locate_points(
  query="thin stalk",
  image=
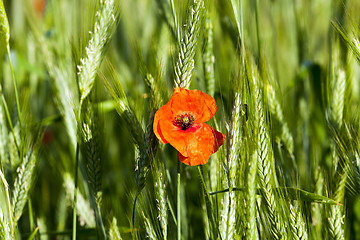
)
(178, 203)
(241, 30)
(258, 35)
(214, 230)
(100, 221)
(15, 87)
(75, 191)
(203, 182)
(31, 217)
(172, 212)
(176, 25)
(9, 120)
(133, 216)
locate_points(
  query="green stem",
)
(203, 182)
(100, 222)
(172, 212)
(213, 229)
(178, 203)
(31, 216)
(75, 191)
(258, 35)
(133, 216)
(9, 121)
(15, 87)
(176, 26)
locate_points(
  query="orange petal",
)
(161, 115)
(202, 157)
(200, 104)
(199, 140)
(179, 139)
(193, 161)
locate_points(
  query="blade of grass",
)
(292, 193)
(75, 192)
(214, 234)
(33, 234)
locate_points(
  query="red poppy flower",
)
(181, 122)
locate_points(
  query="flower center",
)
(185, 121)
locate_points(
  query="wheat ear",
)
(298, 225)
(24, 182)
(208, 57)
(114, 233)
(106, 21)
(266, 173)
(185, 63)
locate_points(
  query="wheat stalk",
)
(208, 57)
(61, 73)
(227, 215)
(4, 139)
(352, 41)
(123, 109)
(106, 21)
(168, 12)
(298, 225)
(235, 139)
(23, 183)
(227, 225)
(336, 212)
(5, 229)
(84, 211)
(91, 145)
(336, 222)
(161, 202)
(65, 98)
(6, 216)
(266, 173)
(251, 228)
(185, 63)
(337, 87)
(114, 233)
(317, 209)
(276, 110)
(157, 99)
(147, 153)
(151, 234)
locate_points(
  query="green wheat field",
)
(81, 81)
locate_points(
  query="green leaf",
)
(292, 194)
(32, 236)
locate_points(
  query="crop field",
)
(179, 119)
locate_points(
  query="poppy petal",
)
(203, 157)
(162, 114)
(179, 139)
(199, 140)
(200, 104)
(193, 161)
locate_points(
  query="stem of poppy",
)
(178, 202)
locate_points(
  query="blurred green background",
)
(293, 43)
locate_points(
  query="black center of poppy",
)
(185, 121)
